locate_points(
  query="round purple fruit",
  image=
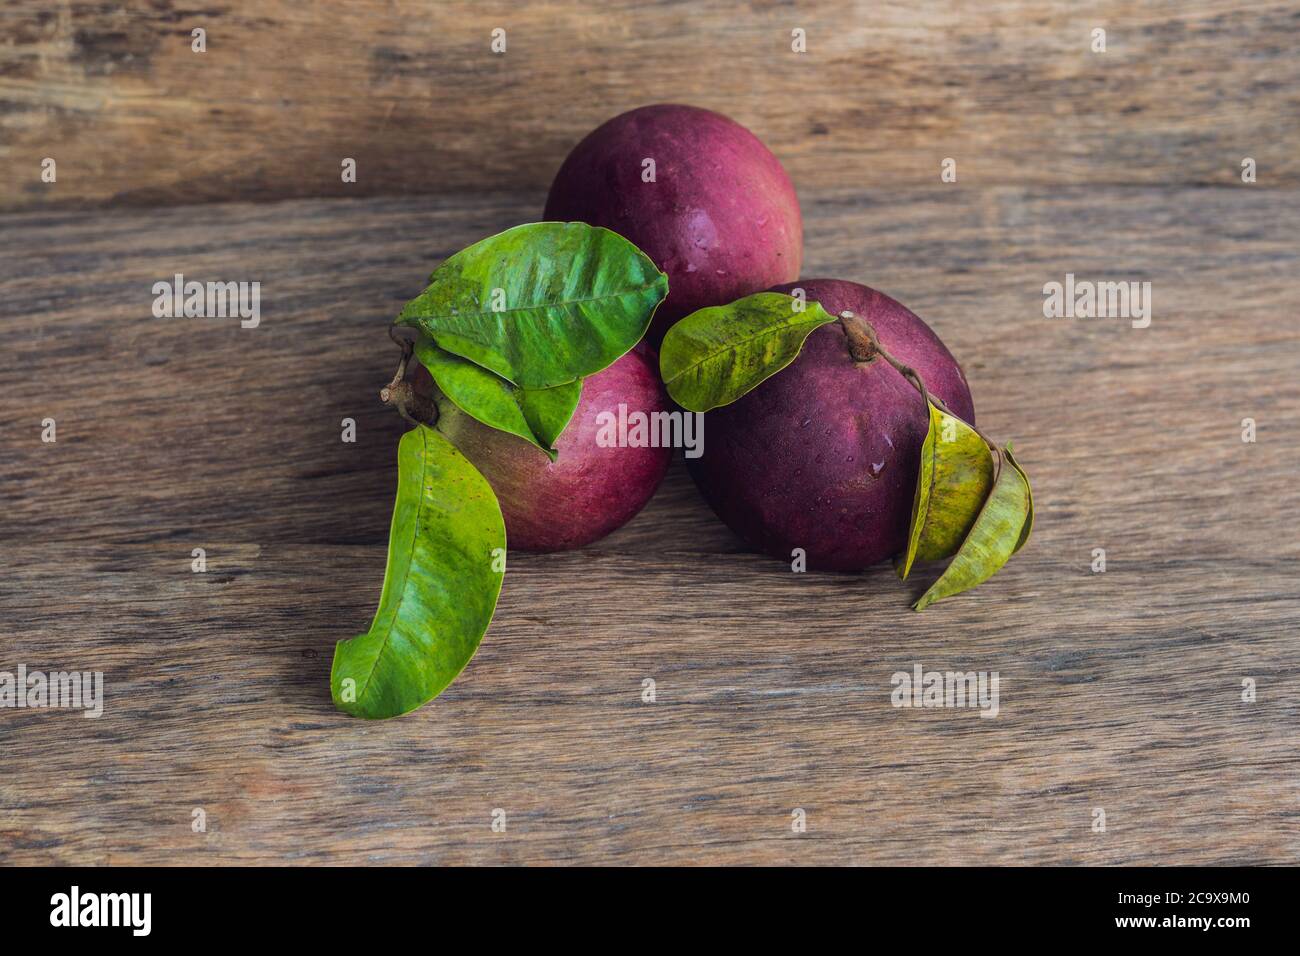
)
(697, 192)
(594, 486)
(823, 456)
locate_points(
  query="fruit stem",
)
(401, 394)
(864, 345)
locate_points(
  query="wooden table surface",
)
(1120, 691)
(411, 90)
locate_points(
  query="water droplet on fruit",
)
(876, 468)
(805, 423)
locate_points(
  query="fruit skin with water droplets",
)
(824, 455)
(721, 217)
(589, 490)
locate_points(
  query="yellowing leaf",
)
(1002, 528)
(954, 479)
(715, 355)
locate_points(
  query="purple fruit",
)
(824, 454)
(720, 218)
(589, 490)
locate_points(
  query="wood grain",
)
(1120, 691)
(1010, 89)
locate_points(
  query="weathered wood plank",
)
(1010, 89)
(1120, 690)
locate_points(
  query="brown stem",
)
(864, 345)
(401, 394)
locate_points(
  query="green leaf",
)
(715, 355)
(1000, 531)
(541, 304)
(955, 478)
(440, 586)
(537, 415)
(1029, 492)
